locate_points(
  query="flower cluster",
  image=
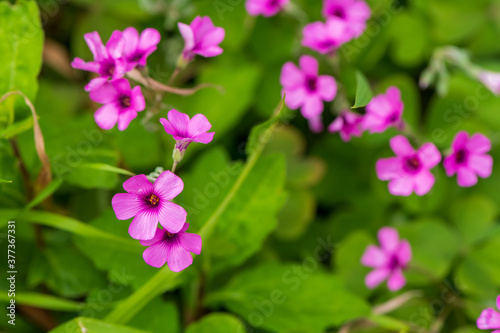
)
(124, 51)
(490, 319)
(151, 203)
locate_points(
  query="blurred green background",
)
(284, 254)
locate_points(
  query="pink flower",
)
(138, 48)
(491, 80)
(348, 124)
(185, 130)
(121, 103)
(326, 37)
(389, 260)
(174, 249)
(354, 12)
(265, 7)
(490, 319)
(383, 111)
(150, 204)
(468, 158)
(107, 59)
(409, 171)
(201, 37)
(306, 89)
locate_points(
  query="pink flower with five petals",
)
(326, 37)
(304, 88)
(389, 260)
(409, 171)
(201, 37)
(348, 124)
(384, 111)
(173, 249)
(138, 48)
(149, 204)
(468, 158)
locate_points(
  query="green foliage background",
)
(285, 221)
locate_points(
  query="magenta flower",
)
(348, 124)
(306, 89)
(173, 249)
(108, 62)
(354, 12)
(265, 7)
(490, 319)
(121, 103)
(383, 111)
(138, 48)
(185, 130)
(201, 37)
(150, 204)
(389, 260)
(491, 80)
(468, 158)
(409, 171)
(325, 37)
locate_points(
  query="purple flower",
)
(383, 111)
(108, 62)
(389, 260)
(325, 37)
(185, 130)
(138, 48)
(354, 12)
(468, 158)
(409, 171)
(150, 203)
(265, 7)
(121, 103)
(306, 89)
(490, 319)
(173, 249)
(348, 124)
(201, 37)
(491, 80)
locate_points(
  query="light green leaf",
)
(107, 167)
(217, 322)
(45, 193)
(44, 301)
(17, 128)
(363, 91)
(89, 325)
(20, 53)
(5, 181)
(279, 297)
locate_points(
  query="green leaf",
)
(474, 217)
(107, 168)
(20, 53)
(5, 181)
(390, 323)
(279, 297)
(17, 128)
(363, 91)
(217, 322)
(44, 301)
(89, 325)
(45, 193)
(296, 215)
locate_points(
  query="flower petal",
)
(388, 168)
(211, 51)
(291, 76)
(429, 155)
(479, 144)
(168, 127)
(214, 37)
(107, 116)
(157, 254)
(373, 257)
(157, 237)
(126, 205)
(187, 34)
(115, 44)
(95, 45)
(179, 121)
(389, 239)
(423, 182)
(131, 37)
(309, 65)
(204, 137)
(124, 119)
(178, 258)
(402, 186)
(375, 277)
(327, 87)
(139, 185)
(144, 225)
(197, 125)
(466, 177)
(404, 253)
(149, 38)
(104, 94)
(190, 242)
(460, 140)
(396, 280)
(489, 319)
(312, 107)
(90, 66)
(168, 185)
(401, 146)
(172, 216)
(294, 98)
(481, 164)
(137, 101)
